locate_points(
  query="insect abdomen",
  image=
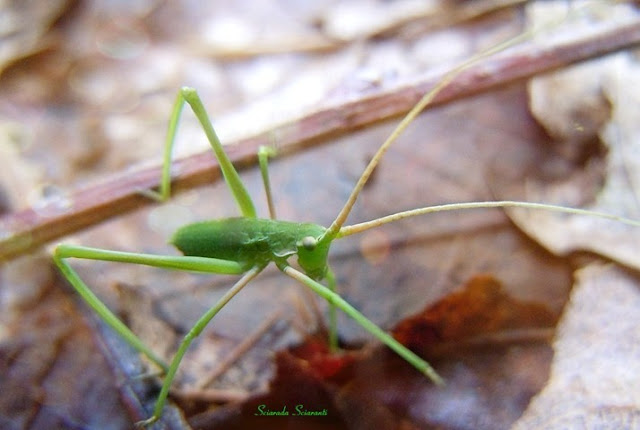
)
(246, 240)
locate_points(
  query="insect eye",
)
(309, 243)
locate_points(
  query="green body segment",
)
(251, 241)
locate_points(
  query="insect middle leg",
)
(264, 152)
(191, 335)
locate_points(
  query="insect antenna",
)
(334, 229)
(359, 228)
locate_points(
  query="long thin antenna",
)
(334, 228)
(359, 228)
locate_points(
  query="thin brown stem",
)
(28, 229)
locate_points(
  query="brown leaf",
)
(480, 308)
(360, 389)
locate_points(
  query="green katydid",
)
(247, 244)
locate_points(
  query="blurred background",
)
(86, 91)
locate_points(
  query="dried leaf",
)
(595, 374)
(579, 106)
(51, 373)
(480, 308)
(344, 386)
(26, 26)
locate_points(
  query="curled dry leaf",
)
(621, 134)
(595, 374)
(583, 107)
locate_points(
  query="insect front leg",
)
(337, 301)
(333, 316)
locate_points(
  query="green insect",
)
(243, 245)
(246, 245)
